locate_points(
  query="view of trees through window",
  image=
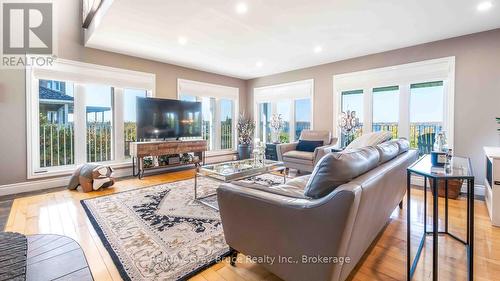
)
(56, 121)
(299, 117)
(426, 111)
(57, 139)
(218, 136)
(386, 110)
(99, 115)
(302, 116)
(353, 101)
(129, 116)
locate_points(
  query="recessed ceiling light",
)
(484, 6)
(241, 8)
(182, 40)
(259, 64)
(318, 49)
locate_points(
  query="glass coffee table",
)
(234, 170)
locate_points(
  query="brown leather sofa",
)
(317, 227)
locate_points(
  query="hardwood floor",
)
(60, 212)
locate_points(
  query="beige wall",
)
(477, 87)
(70, 37)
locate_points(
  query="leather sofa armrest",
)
(285, 147)
(262, 224)
(321, 151)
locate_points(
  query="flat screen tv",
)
(167, 119)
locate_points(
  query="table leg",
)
(195, 185)
(408, 228)
(425, 204)
(435, 220)
(470, 247)
(468, 211)
(446, 206)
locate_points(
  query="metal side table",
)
(460, 169)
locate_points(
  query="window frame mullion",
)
(118, 123)
(80, 124)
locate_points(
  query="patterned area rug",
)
(160, 232)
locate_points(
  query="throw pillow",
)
(308, 145)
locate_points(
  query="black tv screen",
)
(167, 119)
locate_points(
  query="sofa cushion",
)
(324, 136)
(308, 145)
(404, 145)
(335, 169)
(286, 189)
(299, 182)
(302, 155)
(370, 139)
(388, 150)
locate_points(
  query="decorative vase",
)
(244, 151)
(275, 136)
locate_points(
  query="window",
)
(264, 130)
(386, 110)
(56, 139)
(81, 113)
(353, 101)
(129, 116)
(226, 124)
(284, 110)
(219, 111)
(302, 116)
(293, 101)
(426, 113)
(98, 116)
(417, 103)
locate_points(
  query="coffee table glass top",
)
(234, 170)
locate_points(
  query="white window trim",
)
(442, 69)
(271, 94)
(78, 73)
(219, 92)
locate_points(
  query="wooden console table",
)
(141, 150)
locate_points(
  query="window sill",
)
(68, 170)
(213, 153)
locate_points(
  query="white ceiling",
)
(281, 34)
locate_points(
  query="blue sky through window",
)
(426, 105)
(303, 110)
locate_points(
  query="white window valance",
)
(202, 89)
(85, 73)
(294, 90)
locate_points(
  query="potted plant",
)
(246, 127)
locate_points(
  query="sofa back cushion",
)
(324, 136)
(388, 150)
(370, 139)
(404, 145)
(308, 145)
(335, 169)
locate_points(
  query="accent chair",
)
(305, 160)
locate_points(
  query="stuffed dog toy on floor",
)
(91, 177)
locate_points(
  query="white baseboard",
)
(36, 185)
(478, 188)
